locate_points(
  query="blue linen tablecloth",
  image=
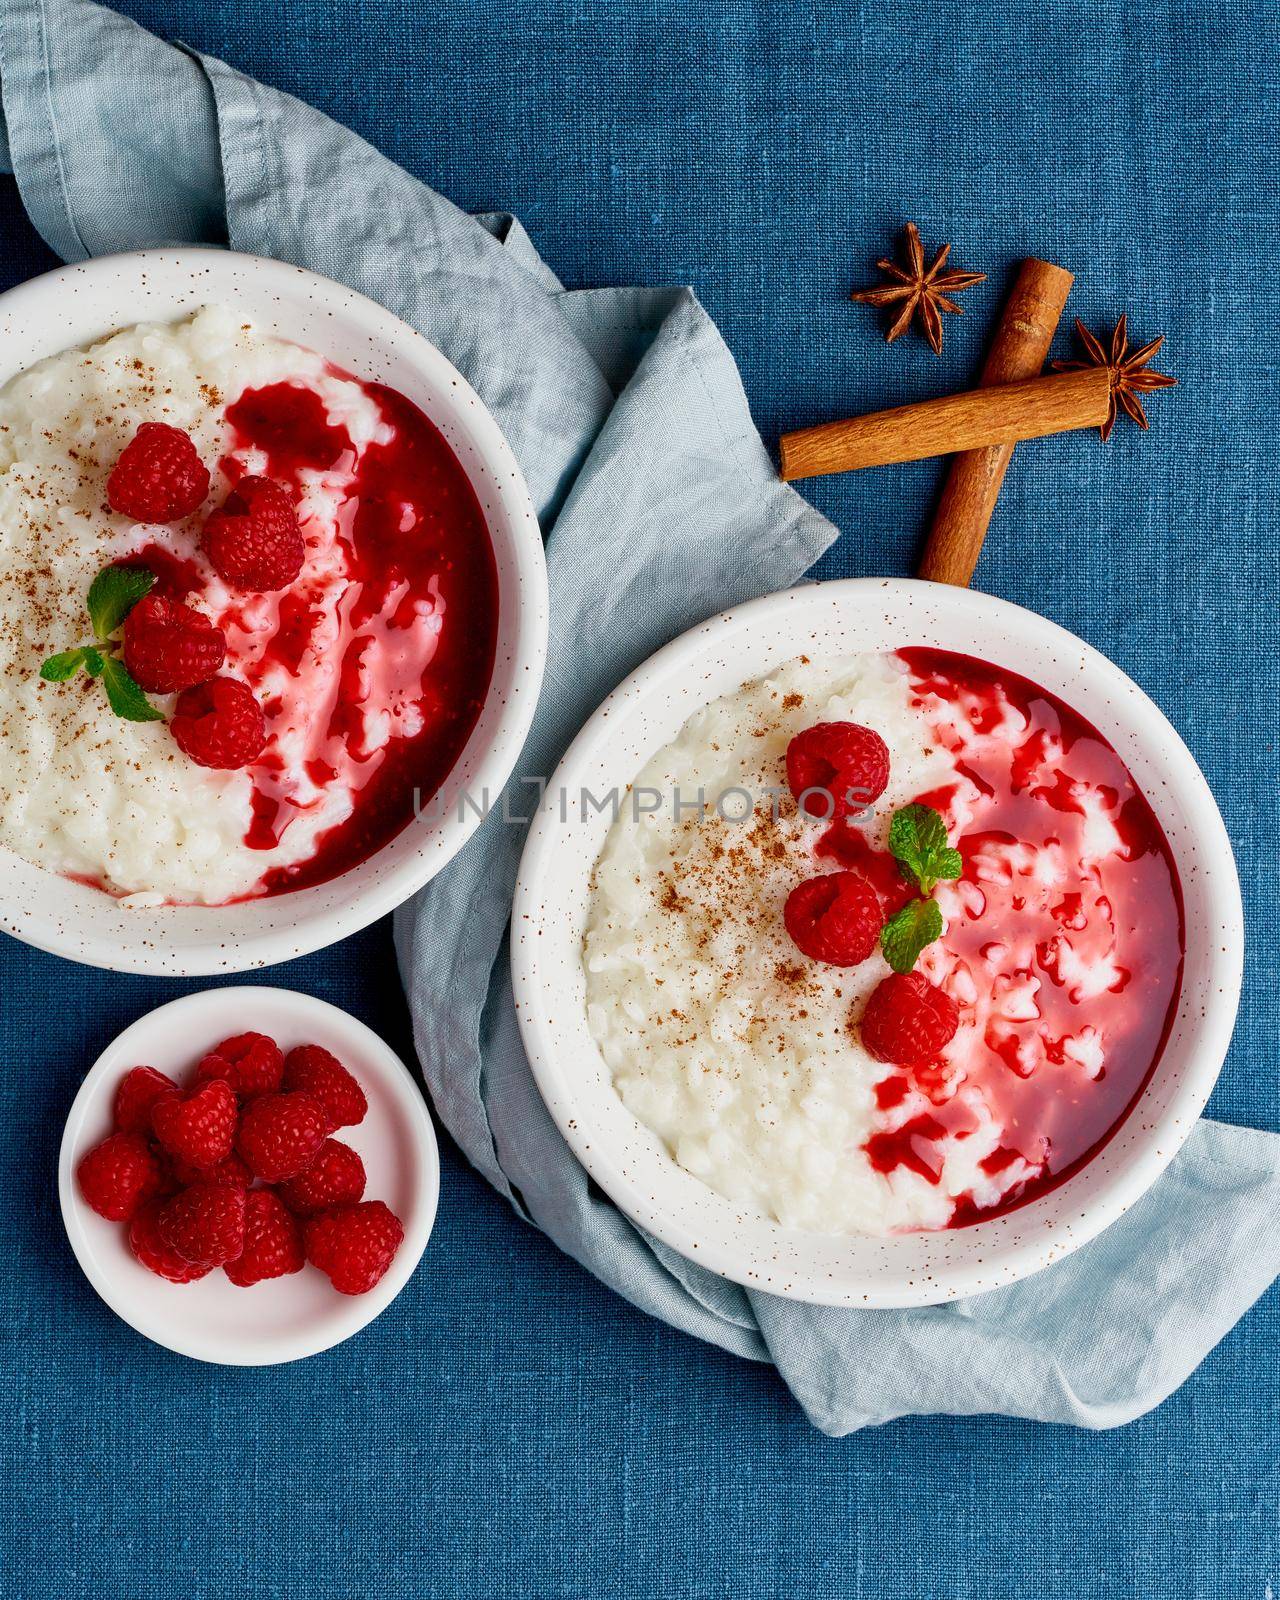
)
(1090, 594)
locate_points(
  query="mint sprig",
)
(57, 669)
(123, 694)
(112, 595)
(908, 931)
(918, 840)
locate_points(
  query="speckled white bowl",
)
(630, 1163)
(283, 1319)
(80, 304)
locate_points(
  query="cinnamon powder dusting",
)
(725, 891)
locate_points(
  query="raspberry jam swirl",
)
(1063, 946)
(374, 664)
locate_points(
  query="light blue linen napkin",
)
(660, 507)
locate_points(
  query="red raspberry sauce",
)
(414, 535)
(1018, 954)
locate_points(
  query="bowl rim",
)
(541, 857)
(409, 1098)
(530, 626)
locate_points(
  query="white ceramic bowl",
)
(80, 304)
(284, 1318)
(629, 1162)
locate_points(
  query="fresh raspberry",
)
(117, 1175)
(353, 1245)
(230, 1169)
(168, 646)
(151, 1250)
(312, 1068)
(254, 541)
(250, 1062)
(159, 477)
(835, 918)
(272, 1242)
(280, 1135)
(200, 1127)
(219, 724)
(334, 1178)
(174, 1175)
(908, 1019)
(136, 1093)
(205, 1223)
(837, 769)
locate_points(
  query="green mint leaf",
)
(113, 594)
(950, 864)
(57, 669)
(916, 833)
(918, 838)
(905, 935)
(127, 699)
(94, 662)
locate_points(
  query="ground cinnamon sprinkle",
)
(670, 898)
(730, 877)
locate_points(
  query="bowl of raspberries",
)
(250, 1196)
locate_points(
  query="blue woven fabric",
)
(1198, 531)
(625, 409)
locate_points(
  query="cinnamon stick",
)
(1001, 414)
(1018, 351)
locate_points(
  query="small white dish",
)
(629, 1162)
(78, 305)
(282, 1319)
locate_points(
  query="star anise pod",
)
(920, 291)
(1129, 373)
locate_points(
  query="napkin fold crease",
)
(660, 507)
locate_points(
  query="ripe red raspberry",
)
(168, 646)
(117, 1175)
(835, 918)
(837, 769)
(219, 724)
(280, 1135)
(250, 1062)
(159, 477)
(205, 1223)
(198, 1128)
(908, 1019)
(151, 1250)
(170, 1182)
(230, 1169)
(353, 1245)
(334, 1178)
(136, 1093)
(312, 1068)
(272, 1242)
(254, 541)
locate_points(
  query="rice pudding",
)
(370, 666)
(1053, 955)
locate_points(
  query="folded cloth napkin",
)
(660, 507)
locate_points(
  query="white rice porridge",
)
(721, 1037)
(84, 792)
(1060, 949)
